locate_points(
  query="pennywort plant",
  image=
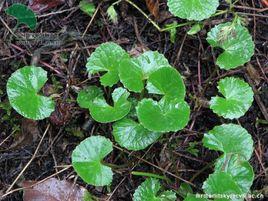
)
(160, 106)
(147, 99)
(233, 174)
(149, 103)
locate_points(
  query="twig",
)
(259, 10)
(58, 12)
(1, 19)
(30, 161)
(91, 20)
(163, 170)
(257, 98)
(144, 14)
(7, 137)
(19, 189)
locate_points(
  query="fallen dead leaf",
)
(264, 3)
(253, 74)
(137, 50)
(28, 134)
(52, 190)
(153, 7)
(4, 49)
(62, 114)
(44, 5)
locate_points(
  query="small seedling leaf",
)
(112, 14)
(87, 7)
(87, 160)
(172, 29)
(23, 14)
(167, 82)
(106, 58)
(132, 135)
(221, 183)
(238, 97)
(236, 42)
(163, 116)
(99, 109)
(195, 29)
(238, 168)
(193, 9)
(23, 86)
(230, 139)
(149, 191)
(150, 62)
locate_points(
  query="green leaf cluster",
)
(233, 173)
(137, 122)
(161, 107)
(232, 37)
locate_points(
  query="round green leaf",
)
(150, 62)
(193, 9)
(22, 90)
(149, 191)
(131, 75)
(168, 82)
(236, 42)
(163, 116)
(23, 14)
(221, 183)
(230, 139)
(132, 135)
(104, 113)
(106, 58)
(87, 160)
(238, 168)
(238, 97)
(87, 95)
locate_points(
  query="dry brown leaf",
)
(62, 114)
(52, 190)
(153, 7)
(28, 134)
(4, 49)
(137, 50)
(44, 5)
(253, 74)
(264, 3)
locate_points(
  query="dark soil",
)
(169, 156)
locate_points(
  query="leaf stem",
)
(113, 166)
(156, 25)
(145, 15)
(148, 174)
(116, 2)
